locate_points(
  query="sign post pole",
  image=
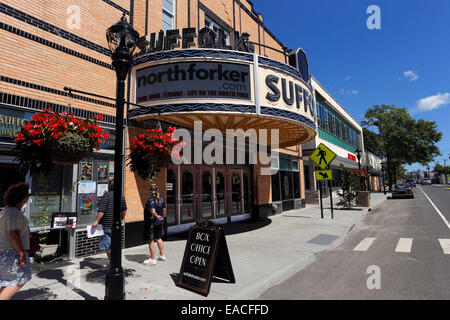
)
(331, 196)
(322, 157)
(321, 205)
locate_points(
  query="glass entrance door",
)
(235, 192)
(205, 194)
(188, 206)
(220, 197)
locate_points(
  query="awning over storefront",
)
(224, 90)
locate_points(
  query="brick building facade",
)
(47, 46)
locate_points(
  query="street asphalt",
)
(401, 250)
(262, 254)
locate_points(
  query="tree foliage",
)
(401, 139)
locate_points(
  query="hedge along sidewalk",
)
(262, 253)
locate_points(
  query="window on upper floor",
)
(214, 26)
(168, 15)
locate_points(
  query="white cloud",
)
(432, 102)
(348, 92)
(411, 75)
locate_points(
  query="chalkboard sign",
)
(206, 256)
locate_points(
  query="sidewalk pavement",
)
(263, 254)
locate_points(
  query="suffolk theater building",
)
(210, 68)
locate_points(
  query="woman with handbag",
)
(15, 267)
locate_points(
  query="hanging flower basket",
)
(52, 138)
(151, 151)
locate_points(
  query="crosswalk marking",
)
(404, 245)
(364, 245)
(445, 244)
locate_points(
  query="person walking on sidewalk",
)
(105, 218)
(15, 266)
(154, 213)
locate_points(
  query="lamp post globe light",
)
(122, 39)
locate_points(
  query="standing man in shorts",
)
(154, 213)
(105, 218)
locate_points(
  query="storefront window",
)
(307, 183)
(93, 176)
(10, 174)
(286, 185)
(296, 179)
(276, 187)
(45, 198)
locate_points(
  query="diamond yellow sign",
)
(322, 156)
(324, 175)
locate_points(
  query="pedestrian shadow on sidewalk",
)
(138, 258)
(58, 275)
(35, 294)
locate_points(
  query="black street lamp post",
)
(122, 40)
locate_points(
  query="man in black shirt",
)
(105, 218)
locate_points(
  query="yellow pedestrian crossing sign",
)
(322, 156)
(324, 175)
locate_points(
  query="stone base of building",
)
(312, 196)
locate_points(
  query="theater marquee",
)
(225, 90)
(187, 80)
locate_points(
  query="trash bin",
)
(363, 199)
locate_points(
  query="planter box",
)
(363, 199)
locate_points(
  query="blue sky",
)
(405, 63)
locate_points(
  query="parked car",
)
(426, 181)
(411, 182)
(402, 191)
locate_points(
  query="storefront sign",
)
(207, 38)
(193, 80)
(206, 255)
(224, 90)
(351, 157)
(11, 122)
(285, 92)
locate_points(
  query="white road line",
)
(364, 244)
(445, 244)
(435, 208)
(404, 245)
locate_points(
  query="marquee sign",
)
(187, 80)
(225, 90)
